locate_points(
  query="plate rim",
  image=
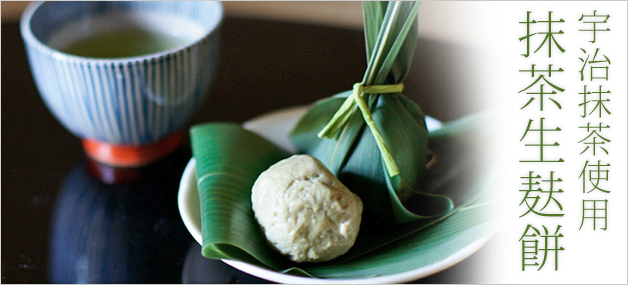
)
(188, 182)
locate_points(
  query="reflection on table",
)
(123, 231)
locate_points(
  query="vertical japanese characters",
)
(541, 185)
(595, 106)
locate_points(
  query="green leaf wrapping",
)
(352, 154)
(229, 159)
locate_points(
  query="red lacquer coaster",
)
(131, 155)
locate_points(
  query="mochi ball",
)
(305, 212)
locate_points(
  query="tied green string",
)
(343, 114)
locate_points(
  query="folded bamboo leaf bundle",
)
(373, 138)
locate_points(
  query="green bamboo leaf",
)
(394, 48)
(399, 56)
(229, 160)
(329, 152)
(373, 15)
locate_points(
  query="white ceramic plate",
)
(275, 127)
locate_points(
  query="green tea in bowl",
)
(124, 43)
(126, 35)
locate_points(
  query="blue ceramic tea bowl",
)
(127, 110)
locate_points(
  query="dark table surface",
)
(64, 221)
